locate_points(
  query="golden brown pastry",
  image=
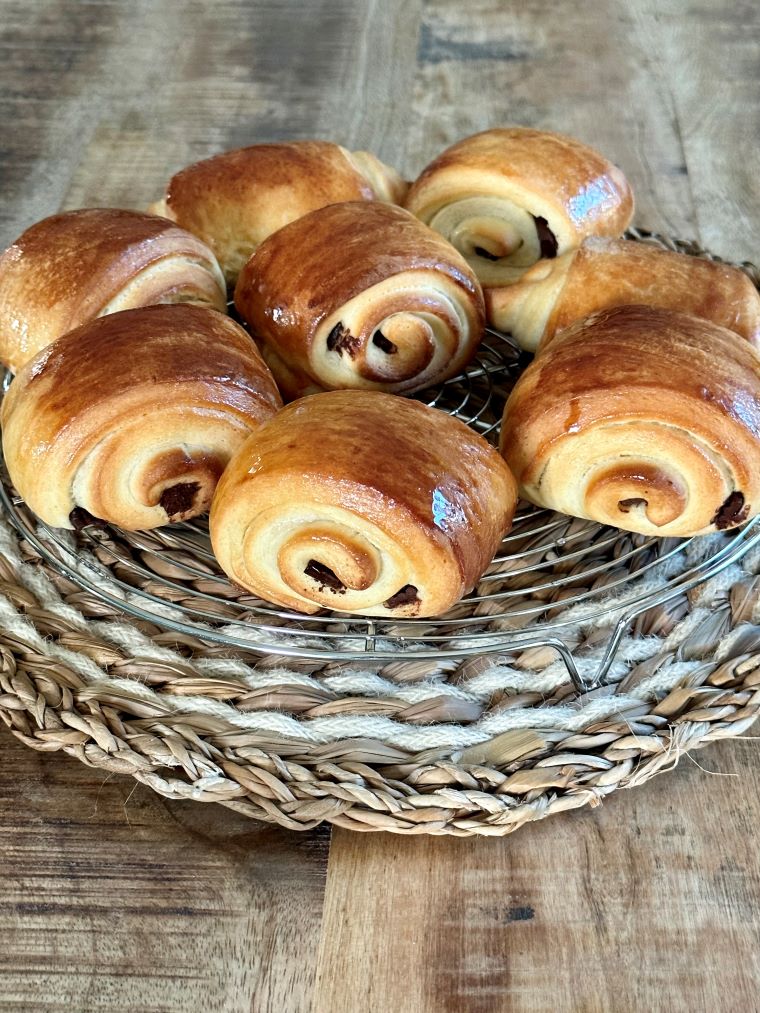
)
(619, 272)
(73, 267)
(509, 197)
(362, 502)
(642, 418)
(132, 417)
(233, 201)
(360, 295)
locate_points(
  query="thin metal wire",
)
(547, 568)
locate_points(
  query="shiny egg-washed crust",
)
(234, 200)
(73, 267)
(362, 502)
(642, 418)
(361, 295)
(133, 417)
(520, 194)
(616, 272)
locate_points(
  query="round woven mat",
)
(475, 744)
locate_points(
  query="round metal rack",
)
(553, 576)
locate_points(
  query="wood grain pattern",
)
(646, 904)
(112, 898)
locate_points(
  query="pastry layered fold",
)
(360, 295)
(616, 272)
(73, 267)
(506, 198)
(361, 502)
(133, 417)
(641, 418)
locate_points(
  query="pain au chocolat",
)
(615, 272)
(73, 267)
(234, 200)
(361, 502)
(360, 295)
(641, 418)
(509, 197)
(133, 417)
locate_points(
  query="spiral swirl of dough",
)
(361, 502)
(506, 198)
(71, 268)
(641, 418)
(360, 295)
(133, 417)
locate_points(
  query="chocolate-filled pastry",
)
(642, 418)
(619, 272)
(233, 201)
(360, 295)
(362, 502)
(509, 197)
(73, 267)
(133, 417)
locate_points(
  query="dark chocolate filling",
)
(546, 238)
(379, 339)
(481, 252)
(341, 340)
(178, 498)
(325, 576)
(625, 505)
(405, 596)
(733, 511)
(81, 518)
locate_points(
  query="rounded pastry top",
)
(73, 267)
(363, 294)
(114, 415)
(580, 182)
(157, 346)
(509, 196)
(234, 200)
(643, 418)
(355, 499)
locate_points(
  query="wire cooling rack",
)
(557, 582)
(552, 574)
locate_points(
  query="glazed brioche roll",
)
(361, 502)
(642, 418)
(616, 272)
(507, 198)
(360, 295)
(73, 267)
(233, 201)
(132, 417)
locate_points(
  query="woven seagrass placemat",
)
(446, 745)
(477, 746)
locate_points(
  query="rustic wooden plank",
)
(647, 903)
(125, 94)
(707, 55)
(113, 898)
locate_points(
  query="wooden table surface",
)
(112, 898)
